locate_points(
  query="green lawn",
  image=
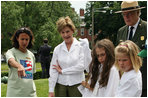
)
(41, 87)
(3, 90)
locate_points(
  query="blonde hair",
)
(130, 49)
(65, 22)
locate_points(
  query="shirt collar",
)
(75, 42)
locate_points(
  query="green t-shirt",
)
(25, 86)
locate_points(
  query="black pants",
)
(45, 68)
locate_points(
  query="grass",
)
(3, 90)
(41, 87)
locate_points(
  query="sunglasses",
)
(23, 30)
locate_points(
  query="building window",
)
(90, 31)
(82, 31)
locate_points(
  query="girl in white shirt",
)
(103, 77)
(128, 62)
(67, 64)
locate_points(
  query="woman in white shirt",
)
(128, 62)
(103, 77)
(67, 64)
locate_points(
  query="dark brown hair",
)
(18, 32)
(95, 64)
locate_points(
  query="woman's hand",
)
(20, 68)
(21, 71)
(51, 94)
(58, 68)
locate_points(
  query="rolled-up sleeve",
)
(9, 54)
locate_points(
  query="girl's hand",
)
(85, 84)
(21, 71)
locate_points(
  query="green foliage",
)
(143, 11)
(4, 74)
(41, 87)
(39, 16)
(4, 79)
(10, 20)
(37, 75)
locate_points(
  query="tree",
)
(39, 16)
(10, 20)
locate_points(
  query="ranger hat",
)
(127, 6)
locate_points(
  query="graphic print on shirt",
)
(28, 69)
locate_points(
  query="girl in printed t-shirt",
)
(128, 62)
(103, 77)
(21, 63)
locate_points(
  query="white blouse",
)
(71, 62)
(107, 91)
(130, 84)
